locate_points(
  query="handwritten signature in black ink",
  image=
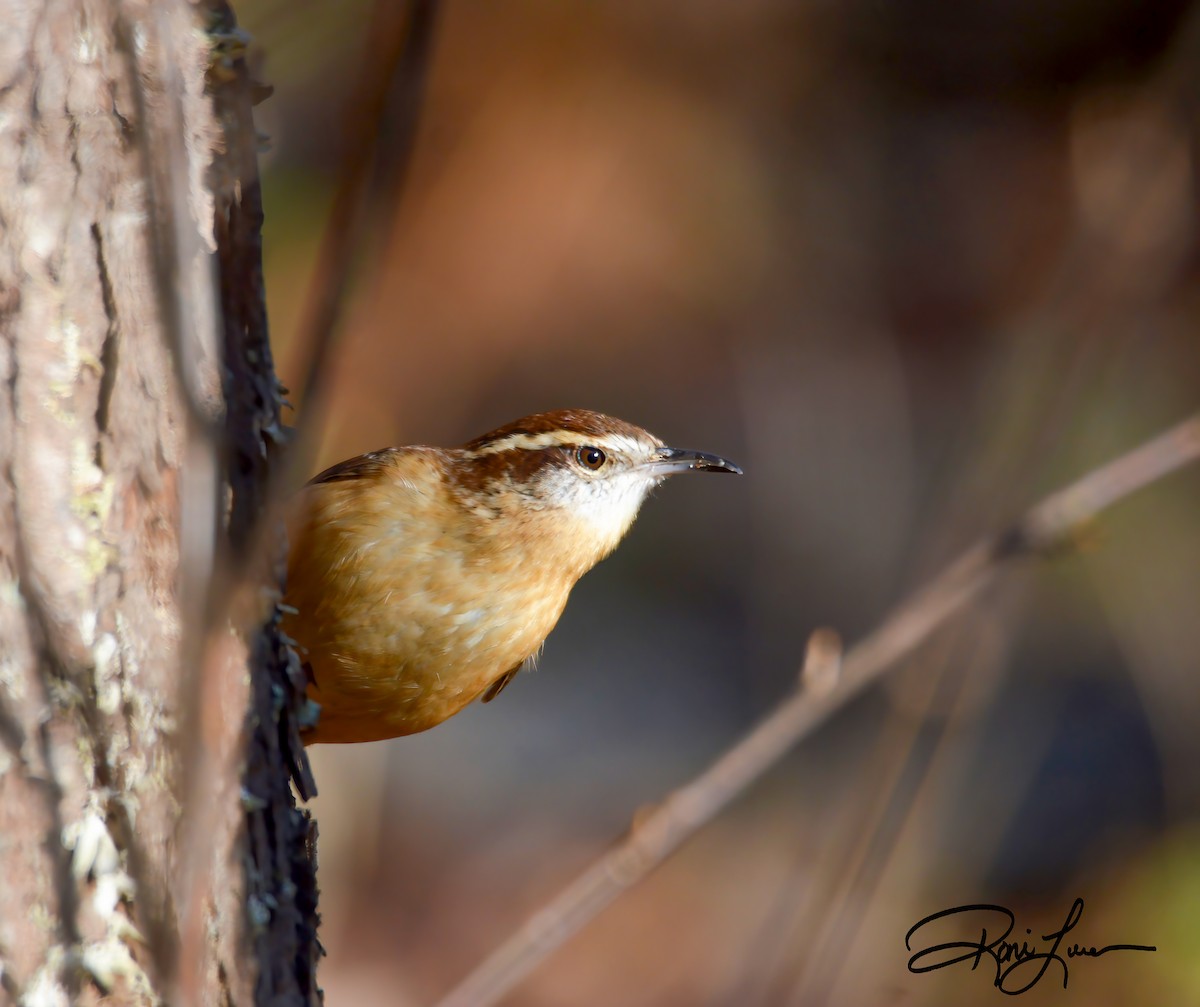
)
(1019, 966)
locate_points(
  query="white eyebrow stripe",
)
(530, 442)
(560, 438)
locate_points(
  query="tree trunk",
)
(150, 848)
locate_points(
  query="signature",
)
(1019, 966)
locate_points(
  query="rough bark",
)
(150, 848)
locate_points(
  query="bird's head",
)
(572, 473)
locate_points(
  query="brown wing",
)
(360, 467)
(497, 686)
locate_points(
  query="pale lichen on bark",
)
(91, 435)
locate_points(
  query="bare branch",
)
(1043, 529)
(390, 87)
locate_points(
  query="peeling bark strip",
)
(94, 433)
(280, 865)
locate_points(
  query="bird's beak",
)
(668, 461)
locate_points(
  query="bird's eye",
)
(590, 458)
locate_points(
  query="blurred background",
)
(911, 264)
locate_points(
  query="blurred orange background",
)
(912, 265)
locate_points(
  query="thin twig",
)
(390, 87)
(1043, 529)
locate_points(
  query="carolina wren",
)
(422, 577)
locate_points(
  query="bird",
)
(422, 578)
